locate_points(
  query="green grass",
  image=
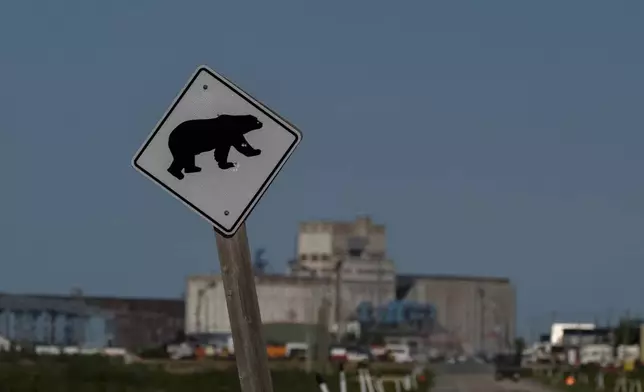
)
(95, 374)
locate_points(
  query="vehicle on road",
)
(400, 353)
(358, 354)
(507, 366)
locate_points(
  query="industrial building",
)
(360, 247)
(142, 322)
(357, 250)
(79, 320)
(468, 313)
(353, 253)
(30, 320)
(476, 313)
(343, 263)
(282, 299)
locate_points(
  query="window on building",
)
(314, 257)
(304, 257)
(356, 246)
(325, 257)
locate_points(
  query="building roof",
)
(174, 307)
(470, 278)
(269, 278)
(341, 226)
(28, 303)
(401, 279)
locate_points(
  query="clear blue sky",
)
(492, 137)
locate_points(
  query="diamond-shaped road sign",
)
(217, 150)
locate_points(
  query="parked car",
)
(358, 354)
(183, 350)
(296, 350)
(338, 353)
(400, 353)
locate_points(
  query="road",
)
(478, 378)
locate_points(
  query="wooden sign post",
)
(243, 311)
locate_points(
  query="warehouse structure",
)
(142, 322)
(345, 258)
(282, 299)
(32, 320)
(76, 319)
(343, 263)
(471, 313)
(477, 313)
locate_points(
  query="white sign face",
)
(217, 150)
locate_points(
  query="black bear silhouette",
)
(193, 137)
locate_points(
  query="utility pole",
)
(553, 320)
(379, 283)
(323, 335)
(531, 331)
(312, 308)
(200, 294)
(374, 328)
(338, 308)
(481, 293)
(627, 330)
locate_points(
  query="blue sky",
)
(492, 137)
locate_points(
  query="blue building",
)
(54, 321)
